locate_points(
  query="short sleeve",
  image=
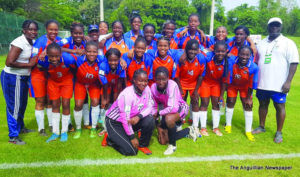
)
(18, 43)
(292, 52)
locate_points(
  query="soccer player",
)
(14, 80)
(243, 79)
(87, 79)
(241, 33)
(166, 92)
(221, 35)
(140, 60)
(118, 40)
(38, 80)
(103, 34)
(169, 27)
(129, 114)
(59, 87)
(210, 89)
(135, 22)
(189, 76)
(149, 32)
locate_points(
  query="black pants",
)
(172, 133)
(120, 141)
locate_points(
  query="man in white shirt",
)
(277, 59)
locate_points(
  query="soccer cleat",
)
(170, 150)
(25, 130)
(43, 132)
(77, 134)
(53, 137)
(204, 132)
(259, 130)
(71, 128)
(250, 136)
(87, 127)
(64, 137)
(217, 132)
(104, 141)
(228, 128)
(193, 134)
(16, 140)
(145, 150)
(93, 133)
(278, 137)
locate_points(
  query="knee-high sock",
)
(64, 123)
(86, 114)
(39, 115)
(229, 113)
(95, 115)
(191, 113)
(216, 118)
(248, 120)
(102, 117)
(203, 118)
(55, 122)
(49, 112)
(196, 118)
(78, 118)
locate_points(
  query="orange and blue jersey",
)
(108, 76)
(189, 71)
(211, 41)
(86, 73)
(41, 44)
(243, 77)
(233, 48)
(133, 65)
(69, 43)
(130, 35)
(170, 61)
(123, 46)
(182, 41)
(153, 45)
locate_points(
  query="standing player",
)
(59, 87)
(241, 33)
(189, 76)
(168, 31)
(38, 86)
(135, 22)
(103, 34)
(87, 79)
(166, 92)
(243, 79)
(149, 32)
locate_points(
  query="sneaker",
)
(16, 140)
(77, 134)
(250, 136)
(25, 130)
(50, 129)
(204, 132)
(217, 132)
(87, 127)
(101, 133)
(104, 142)
(64, 137)
(278, 137)
(228, 128)
(71, 128)
(197, 132)
(193, 134)
(93, 133)
(145, 150)
(43, 132)
(259, 130)
(53, 137)
(170, 150)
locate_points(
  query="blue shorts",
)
(277, 97)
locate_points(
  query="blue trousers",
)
(15, 91)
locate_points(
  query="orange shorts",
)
(60, 89)
(233, 90)
(191, 91)
(110, 89)
(207, 90)
(93, 89)
(38, 84)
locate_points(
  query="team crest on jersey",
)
(142, 66)
(219, 68)
(113, 81)
(140, 107)
(169, 60)
(123, 46)
(64, 41)
(245, 72)
(237, 76)
(196, 64)
(63, 66)
(96, 68)
(191, 72)
(59, 74)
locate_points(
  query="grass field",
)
(37, 150)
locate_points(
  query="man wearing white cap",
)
(277, 61)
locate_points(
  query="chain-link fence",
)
(11, 28)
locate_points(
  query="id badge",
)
(268, 58)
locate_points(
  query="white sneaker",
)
(193, 134)
(178, 128)
(170, 150)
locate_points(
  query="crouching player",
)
(60, 87)
(243, 79)
(166, 92)
(129, 113)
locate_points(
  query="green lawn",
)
(37, 150)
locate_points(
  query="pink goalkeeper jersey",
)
(171, 99)
(128, 105)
